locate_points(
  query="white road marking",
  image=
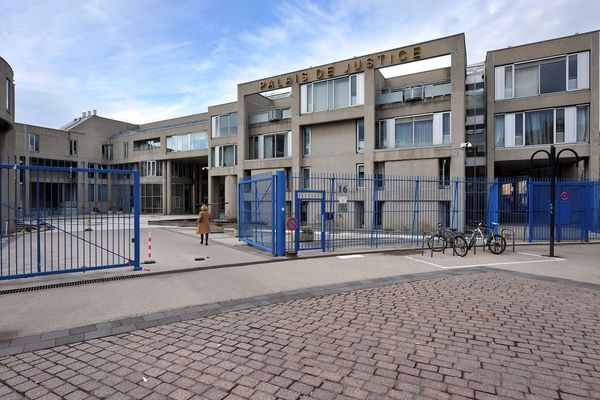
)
(350, 256)
(424, 262)
(529, 254)
(487, 264)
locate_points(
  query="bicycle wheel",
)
(460, 246)
(437, 243)
(497, 244)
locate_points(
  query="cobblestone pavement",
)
(483, 336)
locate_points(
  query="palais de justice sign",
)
(357, 65)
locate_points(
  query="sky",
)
(146, 60)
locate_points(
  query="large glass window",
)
(151, 198)
(305, 178)
(333, 93)
(552, 76)
(560, 126)
(360, 136)
(306, 141)
(417, 131)
(126, 150)
(146, 144)
(539, 127)
(276, 145)
(444, 171)
(229, 156)
(224, 125)
(187, 142)
(151, 168)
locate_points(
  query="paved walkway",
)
(464, 334)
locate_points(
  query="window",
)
(224, 156)
(583, 126)
(305, 173)
(552, 75)
(306, 140)
(187, 142)
(381, 134)
(126, 150)
(7, 92)
(540, 127)
(559, 129)
(444, 167)
(72, 147)
(151, 198)
(253, 144)
(224, 125)
(97, 192)
(519, 129)
(276, 145)
(332, 94)
(107, 151)
(34, 142)
(446, 128)
(379, 213)
(360, 136)
(499, 130)
(414, 132)
(151, 168)
(379, 169)
(146, 144)
(360, 176)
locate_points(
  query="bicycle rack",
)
(511, 234)
(424, 237)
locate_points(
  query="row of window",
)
(557, 74)
(332, 94)
(558, 125)
(276, 145)
(224, 156)
(418, 131)
(224, 125)
(187, 142)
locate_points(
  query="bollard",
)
(149, 260)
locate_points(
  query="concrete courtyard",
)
(240, 324)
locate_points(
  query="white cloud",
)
(154, 60)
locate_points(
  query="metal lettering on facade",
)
(357, 65)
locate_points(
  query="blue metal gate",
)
(310, 211)
(261, 212)
(67, 219)
(574, 216)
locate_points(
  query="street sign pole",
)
(552, 160)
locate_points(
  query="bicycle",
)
(496, 243)
(441, 240)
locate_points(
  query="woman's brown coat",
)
(203, 226)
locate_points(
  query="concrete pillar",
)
(169, 188)
(231, 196)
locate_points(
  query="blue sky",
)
(142, 61)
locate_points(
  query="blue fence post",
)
(136, 220)
(280, 213)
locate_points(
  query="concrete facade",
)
(200, 158)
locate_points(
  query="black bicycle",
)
(442, 239)
(496, 243)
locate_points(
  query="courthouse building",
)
(365, 116)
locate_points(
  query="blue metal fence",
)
(261, 212)
(365, 211)
(57, 219)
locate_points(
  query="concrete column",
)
(231, 196)
(169, 188)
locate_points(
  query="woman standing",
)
(203, 227)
